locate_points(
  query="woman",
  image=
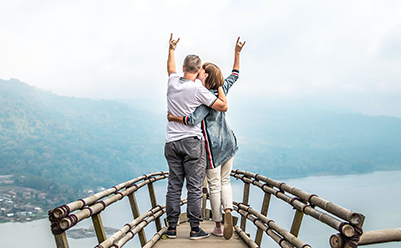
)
(221, 144)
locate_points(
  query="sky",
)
(345, 54)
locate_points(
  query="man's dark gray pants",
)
(186, 159)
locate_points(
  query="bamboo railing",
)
(66, 216)
(347, 223)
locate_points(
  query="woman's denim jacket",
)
(221, 143)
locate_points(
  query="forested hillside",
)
(66, 143)
(63, 145)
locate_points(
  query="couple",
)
(198, 141)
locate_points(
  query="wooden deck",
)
(183, 240)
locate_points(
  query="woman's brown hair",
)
(215, 78)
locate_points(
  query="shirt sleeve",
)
(204, 96)
(230, 80)
(172, 76)
(197, 116)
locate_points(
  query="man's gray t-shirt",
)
(183, 97)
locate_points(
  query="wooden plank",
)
(183, 241)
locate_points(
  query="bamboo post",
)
(245, 201)
(153, 201)
(61, 240)
(204, 198)
(296, 223)
(135, 212)
(99, 229)
(265, 208)
(361, 219)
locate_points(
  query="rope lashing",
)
(121, 194)
(280, 185)
(295, 198)
(134, 185)
(265, 185)
(103, 203)
(90, 210)
(83, 202)
(310, 198)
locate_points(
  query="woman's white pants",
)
(220, 189)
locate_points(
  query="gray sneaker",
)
(199, 235)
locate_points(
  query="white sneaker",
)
(217, 231)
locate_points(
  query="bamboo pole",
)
(136, 214)
(277, 238)
(245, 237)
(155, 238)
(127, 227)
(73, 219)
(61, 240)
(346, 229)
(64, 210)
(380, 236)
(263, 211)
(271, 225)
(99, 229)
(245, 201)
(138, 229)
(336, 241)
(153, 201)
(143, 223)
(345, 214)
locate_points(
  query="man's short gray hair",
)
(192, 63)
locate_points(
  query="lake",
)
(376, 195)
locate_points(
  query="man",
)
(185, 149)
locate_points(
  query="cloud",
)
(334, 51)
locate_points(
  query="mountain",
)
(75, 142)
(65, 144)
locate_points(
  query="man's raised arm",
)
(171, 57)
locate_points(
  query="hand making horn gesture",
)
(239, 46)
(173, 43)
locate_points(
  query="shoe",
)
(171, 233)
(228, 225)
(199, 235)
(217, 231)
